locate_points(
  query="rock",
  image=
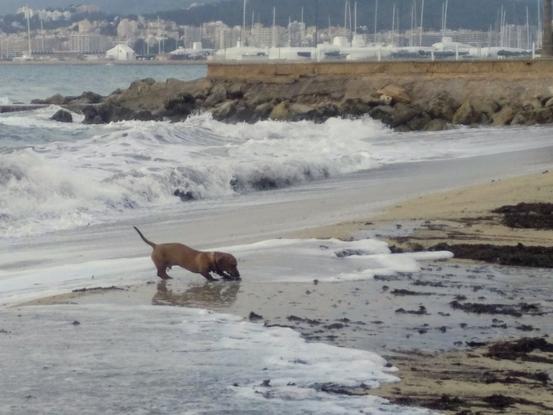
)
(504, 116)
(217, 94)
(548, 103)
(354, 106)
(325, 111)
(263, 110)
(142, 84)
(244, 113)
(53, 100)
(89, 97)
(403, 113)
(442, 106)
(521, 118)
(91, 115)
(255, 317)
(373, 101)
(224, 110)
(466, 115)
(281, 112)
(62, 116)
(106, 113)
(235, 91)
(397, 93)
(384, 113)
(532, 105)
(436, 124)
(543, 116)
(485, 106)
(298, 112)
(419, 122)
(180, 107)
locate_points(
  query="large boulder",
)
(403, 114)
(504, 116)
(442, 106)
(108, 112)
(325, 111)
(485, 106)
(235, 91)
(522, 118)
(281, 112)
(225, 110)
(353, 107)
(437, 124)
(533, 104)
(544, 116)
(180, 107)
(217, 94)
(384, 113)
(298, 112)
(62, 116)
(419, 122)
(467, 115)
(396, 93)
(89, 97)
(263, 110)
(548, 103)
(57, 99)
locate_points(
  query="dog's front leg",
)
(208, 276)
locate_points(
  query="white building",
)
(88, 43)
(121, 52)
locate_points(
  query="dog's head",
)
(227, 264)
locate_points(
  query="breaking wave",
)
(57, 176)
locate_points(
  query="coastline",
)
(437, 370)
(405, 96)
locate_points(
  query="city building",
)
(121, 52)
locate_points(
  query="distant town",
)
(83, 34)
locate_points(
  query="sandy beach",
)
(347, 284)
(441, 352)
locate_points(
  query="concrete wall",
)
(450, 69)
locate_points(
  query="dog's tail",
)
(153, 245)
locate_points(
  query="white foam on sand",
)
(280, 260)
(165, 360)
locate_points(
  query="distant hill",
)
(470, 14)
(108, 6)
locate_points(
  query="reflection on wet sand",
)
(209, 295)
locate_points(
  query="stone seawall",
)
(407, 96)
(443, 69)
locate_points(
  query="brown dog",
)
(167, 255)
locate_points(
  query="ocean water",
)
(164, 360)
(86, 183)
(25, 82)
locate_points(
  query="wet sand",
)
(431, 324)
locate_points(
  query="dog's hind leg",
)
(162, 273)
(161, 268)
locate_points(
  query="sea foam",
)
(56, 176)
(144, 359)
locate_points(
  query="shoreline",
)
(447, 378)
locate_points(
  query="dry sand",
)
(462, 214)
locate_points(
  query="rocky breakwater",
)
(405, 104)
